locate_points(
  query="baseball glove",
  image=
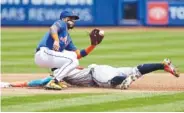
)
(95, 37)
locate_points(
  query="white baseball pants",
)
(103, 74)
(65, 61)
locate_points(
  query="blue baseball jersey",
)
(65, 40)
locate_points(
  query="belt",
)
(53, 69)
(37, 49)
(93, 83)
(91, 71)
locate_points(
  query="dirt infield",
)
(151, 82)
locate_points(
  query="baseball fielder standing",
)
(56, 49)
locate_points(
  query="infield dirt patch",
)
(151, 82)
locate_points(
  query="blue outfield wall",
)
(92, 12)
(44, 12)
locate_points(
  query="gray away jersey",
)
(80, 77)
(101, 74)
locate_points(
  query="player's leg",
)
(60, 73)
(137, 72)
(53, 59)
(65, 62)
(166, 65)
(148, 68)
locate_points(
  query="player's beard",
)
(70, 24)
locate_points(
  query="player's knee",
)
(41, 61)
(71, 54)
(75, 62)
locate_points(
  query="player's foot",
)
(62, 84)
(5, 84)
(128, 81)
(52, 85)
(169, 67)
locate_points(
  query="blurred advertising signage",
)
(157, 13)
(47, 2)
(176, 12)
(165, 13)
(43, 12)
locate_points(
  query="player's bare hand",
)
(56, 46)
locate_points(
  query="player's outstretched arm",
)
(32, 83)
(96, 37)
(84, 52)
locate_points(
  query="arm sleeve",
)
(39, 82)
(71, 47)
(84, 52)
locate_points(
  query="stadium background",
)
(136, 32)
(94, 12)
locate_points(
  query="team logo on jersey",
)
(157, 13)
(64, 40)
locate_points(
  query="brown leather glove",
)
(95, 37)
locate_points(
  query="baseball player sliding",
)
(104, 75)
(56, 49)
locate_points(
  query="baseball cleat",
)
(53, 86)
(128, 81)
(62, 84)
(169, 67)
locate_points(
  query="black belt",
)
(37, 49)
(93, 83)
(91, 71)
(53, 69)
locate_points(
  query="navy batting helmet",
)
(68, 14)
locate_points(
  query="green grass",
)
(119, 48)
(129, 101)
(39, 98)
(122, 104)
